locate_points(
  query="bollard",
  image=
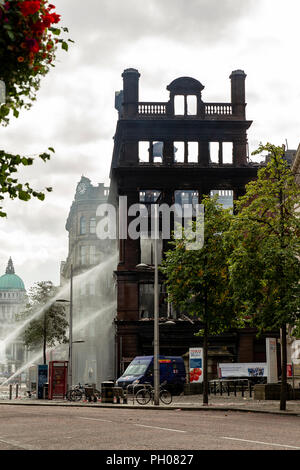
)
(215, 388)
(228, 389)
(235, 389)
(250, 390)
(10, 392)
(17, 390)
(242, 389)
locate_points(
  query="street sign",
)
(196, 365)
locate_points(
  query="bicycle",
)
(79, 391)
(146, 394)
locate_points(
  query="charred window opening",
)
(191, 105)
(185, 105)
(227, 152)
(144, 154)
(146, 300)
(186, 152)
(214, 152)
(147, 250)
(225, 197)
(150, 152)
(179, 152)
(179, 105)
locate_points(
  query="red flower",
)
(56, 18)
(29, 7)
(47, 20)
(33, 45)
(38, 27)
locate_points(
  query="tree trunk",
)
(283, 392)
(205, 361)
(205, 352)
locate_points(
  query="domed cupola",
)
(9, 280)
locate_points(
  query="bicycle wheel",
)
(76, 395)
(143, 396)
(165, 396)
(68, 395)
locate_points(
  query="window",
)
(191, 105)
(93, 225)
(227, 152)
(193, 152)
(214, 152)
(179, 152)
(83, 255)
(225, 197)
(144, 151)
(92, 254)
(179, 105)
(82, 225)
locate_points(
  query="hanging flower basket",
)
(29, 36)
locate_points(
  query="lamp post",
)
(70, 378)
(156, 308)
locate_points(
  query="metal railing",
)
(228, 386)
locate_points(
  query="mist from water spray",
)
(63, 291)
(76, 329)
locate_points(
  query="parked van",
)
(140, 371)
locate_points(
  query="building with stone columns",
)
(12, 301)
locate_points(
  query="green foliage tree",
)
(198, 280)
(10, 185)
(264, 265)
(29, 37)
(49, 328)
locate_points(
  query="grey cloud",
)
(114, 24)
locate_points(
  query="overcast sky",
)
(163, 39)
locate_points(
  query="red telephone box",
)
(58, 374)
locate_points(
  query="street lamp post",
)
(156, 309)
(70, 378)
(156, 369)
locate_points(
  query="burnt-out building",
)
(166, 152)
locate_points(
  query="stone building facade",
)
(12, 301)
(166, 152)
(92, 286)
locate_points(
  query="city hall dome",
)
(10, 280)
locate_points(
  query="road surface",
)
(71, 428)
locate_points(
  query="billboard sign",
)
(243, 369)
(196, 365)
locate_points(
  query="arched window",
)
(82, 225)
(93, 225)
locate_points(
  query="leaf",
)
(65, 46)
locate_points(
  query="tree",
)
(29, 37)
(49, 328)
(264, 265)
(198, 280)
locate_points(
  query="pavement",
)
(183, 402)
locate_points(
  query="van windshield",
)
(136, 368)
